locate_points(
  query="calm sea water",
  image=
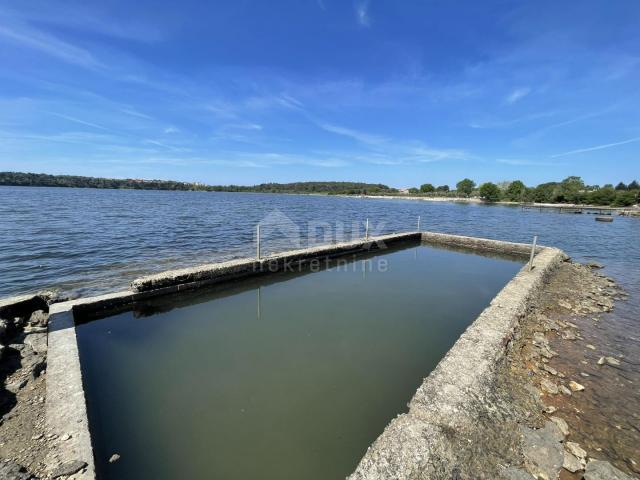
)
(89, 241)
(280, 377)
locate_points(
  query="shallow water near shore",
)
(286, 376)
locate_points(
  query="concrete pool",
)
(291, 375)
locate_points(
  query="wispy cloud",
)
(50, 45)
(501, 123)
(528, 163)
(517, 94)
(597, 147)
(362, 13)
(362, 137)
(79, 121)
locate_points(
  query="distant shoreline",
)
(476, 200)
(470, 200)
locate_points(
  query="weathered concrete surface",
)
(478, 244)
(244, 267)
(453, 416)
(66, 412)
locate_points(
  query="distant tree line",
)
(331, 188)
(570, 190)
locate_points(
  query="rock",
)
(601, 361)
(614, 362)
(549, 369)
(114, 458)
(564, 390)
(543, 451)
(13, 471)
(550, 409)
(39, 318)
(584, 374)
(590, 347)
(561, 424)
(37, 341)
(565, 304)
(595, 265)
(549, 387)
(575, 386)
(4, 326)
(576, 450)
(600, 470)
(68, 468)
(65, 437)
(568, 335)
(539, 338)
(514, 473)
(16, 385)
(572, 463)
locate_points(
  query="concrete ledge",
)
(479, 244)
(459, 392)
(66, 410)
(246, 267)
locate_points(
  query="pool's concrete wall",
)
(66, 411)
(460, 389)
(408, 441)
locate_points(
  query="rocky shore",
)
(25, 441)
(564, 433)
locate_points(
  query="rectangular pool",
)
(284, 376)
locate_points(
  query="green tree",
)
(465, 186)
(414, 190)
(634, 185)
(490, 192)
(443, 188)
(624, 198)
(570, 190)
(427, 188)
(515, 191)
(621, 186)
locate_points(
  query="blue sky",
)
(244, 92)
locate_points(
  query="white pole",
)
(418, 222)
(258, 241)
(533, 252)
(366, 230)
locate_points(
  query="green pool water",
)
(287, 376)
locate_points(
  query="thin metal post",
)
(533, 252)
(258, 241)
(418, 222)
(366, 230)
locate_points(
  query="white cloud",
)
(354, 134)
(518, 94)
(362, 13)
(527, 163)
(597, 147)
(49, 45)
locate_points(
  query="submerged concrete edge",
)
(452, 396)
(66, 409)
